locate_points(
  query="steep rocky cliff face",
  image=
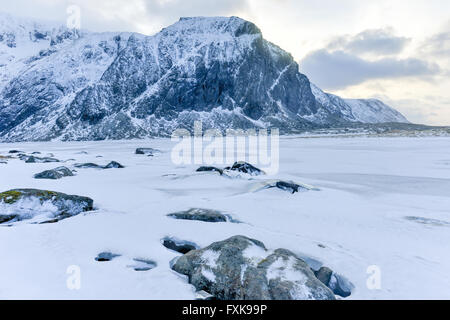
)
(66, 84)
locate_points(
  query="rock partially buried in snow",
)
(179, 246)
(337, 283)
(143, 265)
(288, 186)
(244, 167)
(241, 268)
(203, 215)
(106, 256)
(41, 206)
(147, 151)
(33, 159)
(111, 165)
(54, 174)
(210, 169)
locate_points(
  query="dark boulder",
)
(54, 174)
(106, 256)
(247, 168)
(204, 215)
(179, 246)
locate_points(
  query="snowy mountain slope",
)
(71, 85)
(358, 110)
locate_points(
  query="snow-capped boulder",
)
(54, 174)
(41, 205)
(241, 268)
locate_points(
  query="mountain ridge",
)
(79, 85)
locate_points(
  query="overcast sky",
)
(395, 50)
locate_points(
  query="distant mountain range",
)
(62, 84)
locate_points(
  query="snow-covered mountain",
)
(57, 83)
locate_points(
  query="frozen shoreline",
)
(379, 202)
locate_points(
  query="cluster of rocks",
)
(47, 206)
(237, 167)
(249, 169)
(241, 268)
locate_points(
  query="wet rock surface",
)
(54, 174)
(241, 268)
(197, 214)
(46, 206)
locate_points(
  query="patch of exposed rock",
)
(180, 246)
(54, 174)
(241, 268)
(147, 151)
(203, 215)
(111, 165)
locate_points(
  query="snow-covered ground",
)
(382, 202)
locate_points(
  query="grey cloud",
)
(437, 45)
(377, 41)
(339, 69)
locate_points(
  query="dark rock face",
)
(147, 151)
(241, 269)
(247, 168)
(54, 174)
(106, 256)
(204, 215)
(23, 204)
(210, 169)
(179, 246)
